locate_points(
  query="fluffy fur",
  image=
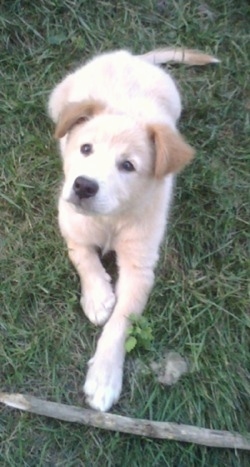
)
(116, 121)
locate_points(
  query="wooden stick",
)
(108, 421)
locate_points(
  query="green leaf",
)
(130, 343)
(57, 39)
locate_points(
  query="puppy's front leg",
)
(104, 378)
(97, 296)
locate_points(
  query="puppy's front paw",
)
(103, 382)
(98, 302)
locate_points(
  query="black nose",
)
(85, 187)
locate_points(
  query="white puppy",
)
(116, 123)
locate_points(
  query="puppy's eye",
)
(126, 166)
(86, 149)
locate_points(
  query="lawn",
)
(199, 306)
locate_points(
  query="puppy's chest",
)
(104, 236)
(107, 242)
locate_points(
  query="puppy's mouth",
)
(89, 206)
(82, 206)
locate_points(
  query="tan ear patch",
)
(75, 113)
(172, 152)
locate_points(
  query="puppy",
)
(115, 120)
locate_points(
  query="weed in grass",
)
(139, 334)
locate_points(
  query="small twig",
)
(107, 421)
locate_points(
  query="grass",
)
(199, 303)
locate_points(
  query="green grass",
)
(199, 305)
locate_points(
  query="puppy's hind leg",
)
(97, 296)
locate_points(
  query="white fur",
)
(118, 78)
(128, 213)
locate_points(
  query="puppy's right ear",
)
(76, 112)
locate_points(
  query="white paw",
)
(103, 382)
(98, 302)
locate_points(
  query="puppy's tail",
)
(178, 55)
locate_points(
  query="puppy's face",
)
(108, 165)
(112, 163)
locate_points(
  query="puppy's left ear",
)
(171, 151)
(76, 112)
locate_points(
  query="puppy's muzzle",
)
(85, 188)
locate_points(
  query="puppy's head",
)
(111, 162)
